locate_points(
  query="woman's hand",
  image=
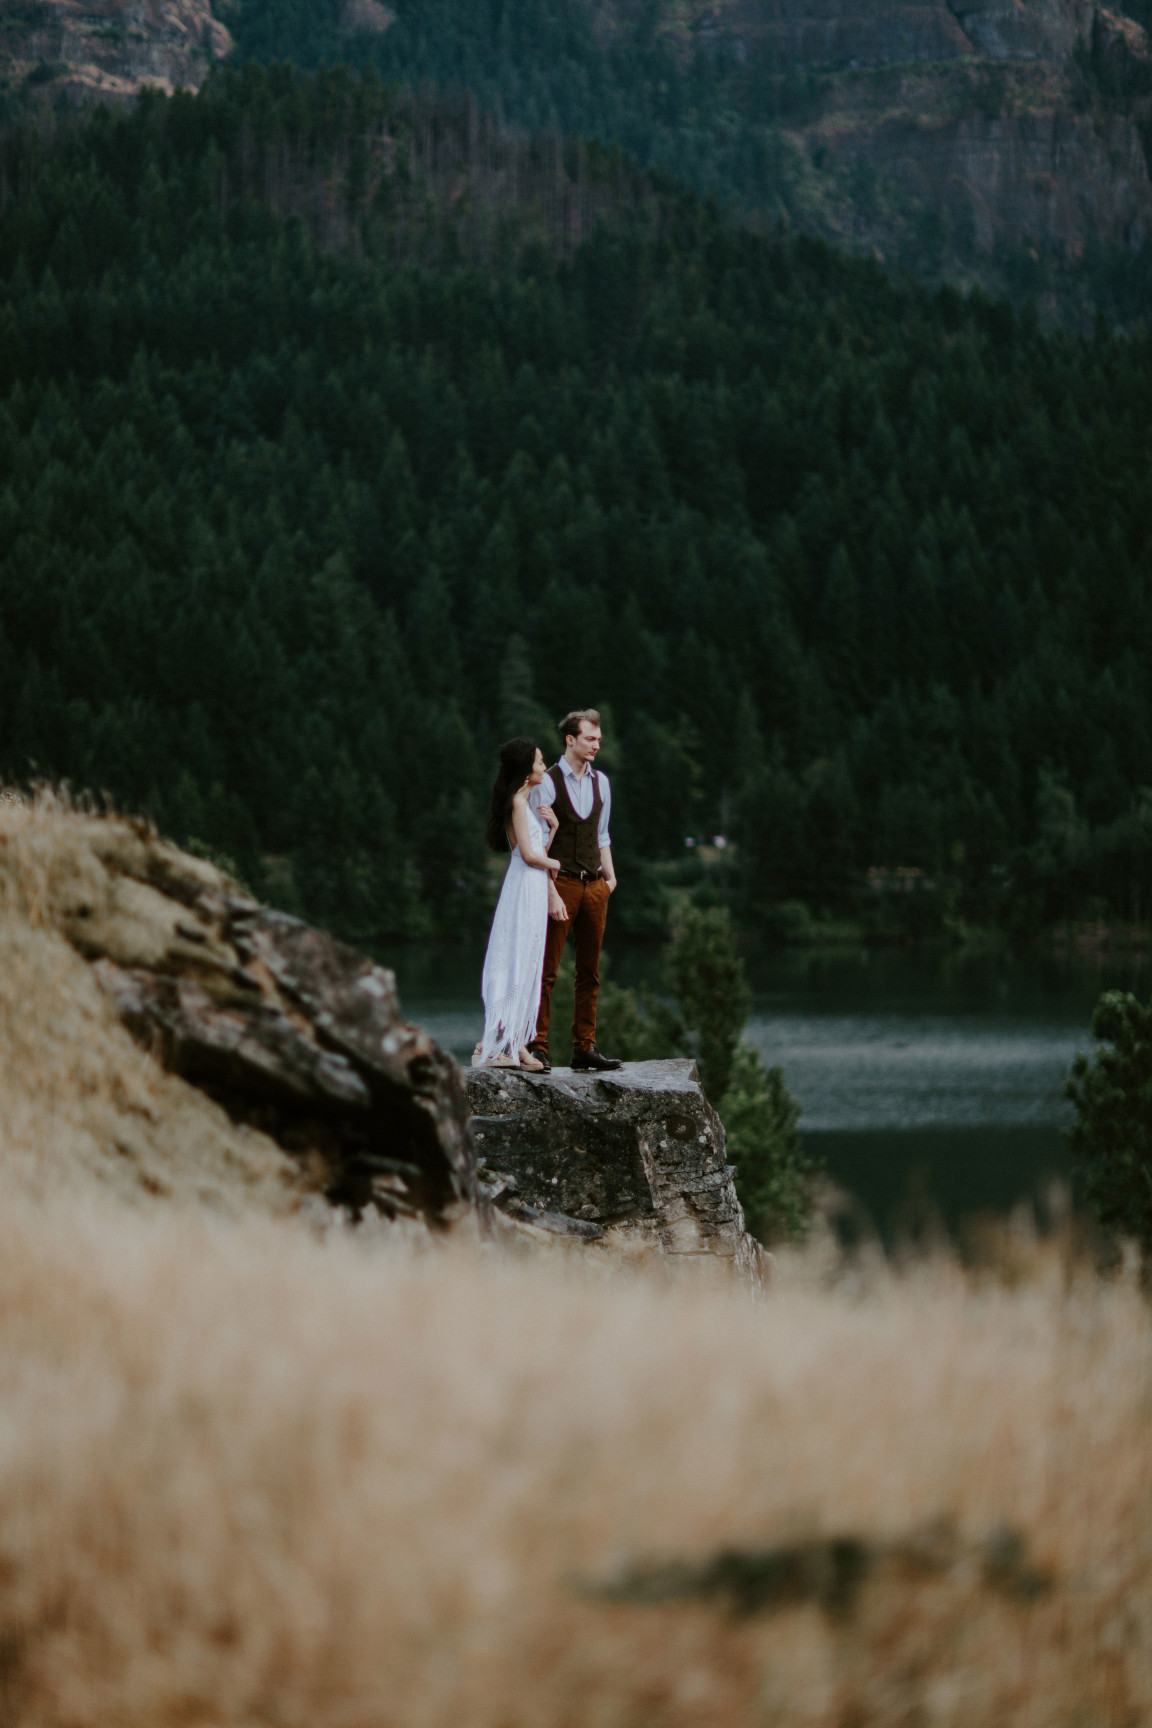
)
(552, 864)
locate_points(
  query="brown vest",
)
(576, 841)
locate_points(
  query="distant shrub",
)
(1112, 1133)
(44, 72)
(706, 977)
(775, 1176)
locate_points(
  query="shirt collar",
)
(571, 772)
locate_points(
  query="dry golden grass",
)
(80, 1100)
(249, 1478)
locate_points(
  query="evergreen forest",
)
(343, 435)
(582, 69)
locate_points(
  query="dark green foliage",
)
(342, 435)
(775, 1176)
(566, 68)
(1112, 1133)
(704, 1007)
(706, 977)
(636, 1025)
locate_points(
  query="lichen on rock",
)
(629, 1164)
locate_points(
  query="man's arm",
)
(541, 799)
(603, 837)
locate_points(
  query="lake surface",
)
(921, 1074)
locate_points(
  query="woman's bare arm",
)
(522, 830)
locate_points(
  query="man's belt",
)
(582, 875)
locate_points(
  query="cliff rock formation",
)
(295, 1040)
(109, 50)
(630, 1164)
(1043, 174)
(162, 1031)
(850, 33)
(1018, 121)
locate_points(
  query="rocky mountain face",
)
(1039, 174)
(939, 135)
(947, 132)
(108, 50)
(936, 134)
(850, 33)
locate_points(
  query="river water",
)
(923, 1075)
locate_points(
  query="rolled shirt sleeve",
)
(603, 837)
(541, 796)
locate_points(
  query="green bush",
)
(703, 1011)
(706, 977)
(775, 1177)
(1112, 1133)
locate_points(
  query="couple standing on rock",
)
(559, 879)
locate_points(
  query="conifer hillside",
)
(343, 435)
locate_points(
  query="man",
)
(581, 801)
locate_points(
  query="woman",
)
(514, 963)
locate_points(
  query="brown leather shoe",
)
(591, 1058)
(540, 1051)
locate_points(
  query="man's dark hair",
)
(570, 725)
(516, 759)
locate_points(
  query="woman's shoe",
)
(504, 1060)
(527, 1060)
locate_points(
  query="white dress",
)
(514, 962)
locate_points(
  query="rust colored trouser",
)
(587, 904)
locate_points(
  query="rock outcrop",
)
(109, 50)
(295, 1035)
(1046, 176)
(164, 1032)
(629, 1164)
(977, 122)
(365, 18)
(840, 34)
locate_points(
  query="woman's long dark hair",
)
(516, 759)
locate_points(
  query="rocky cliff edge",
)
(163, 1033)
(109, 50)
(629, 1165)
